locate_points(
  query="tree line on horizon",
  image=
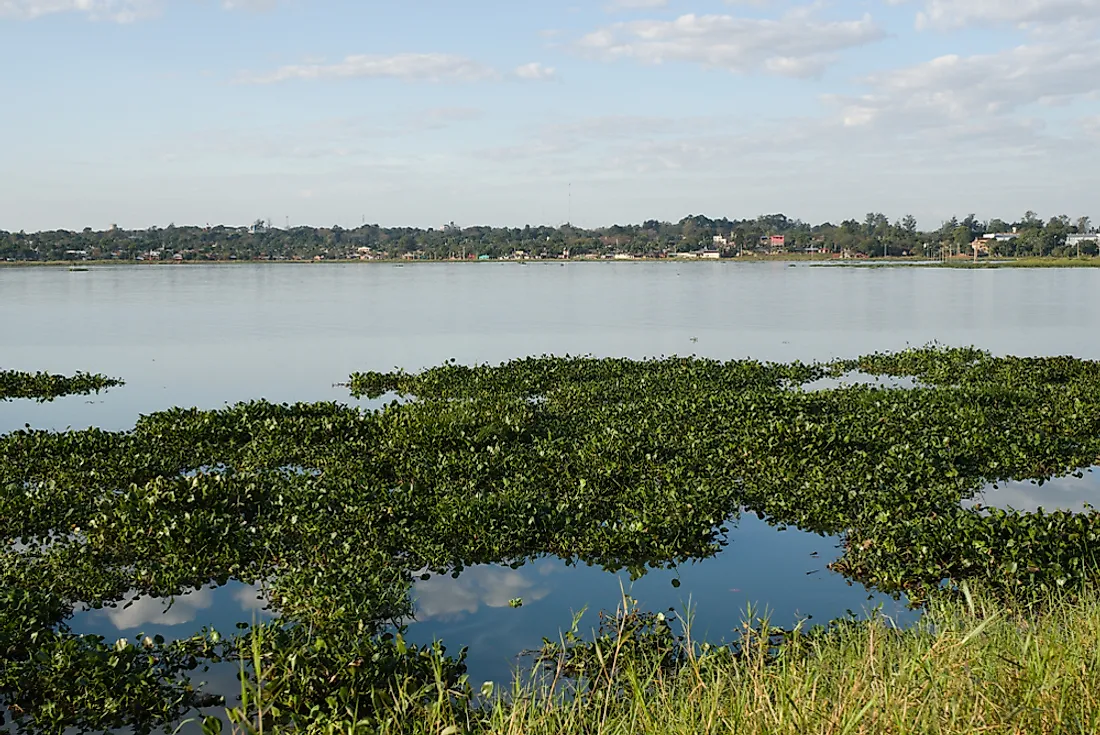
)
(874, 236)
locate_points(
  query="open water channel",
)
(210, 335)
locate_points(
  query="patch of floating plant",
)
(43, 386)
(621, 464)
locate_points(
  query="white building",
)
(1080, 239)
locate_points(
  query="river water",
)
(210, 335)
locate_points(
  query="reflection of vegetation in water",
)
(620, 463)
(46, 387)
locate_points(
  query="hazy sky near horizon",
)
(421, 112)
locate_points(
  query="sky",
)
(513, 112)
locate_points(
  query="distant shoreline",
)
(966, 263)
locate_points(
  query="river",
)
(215, 334)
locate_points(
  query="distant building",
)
(1000, 236)
(709, 253)
(777, 241)
(718, 240)
(1081, 238)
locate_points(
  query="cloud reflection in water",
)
(1062, 493)
(490, 586)
(160, 610)
(223, 606)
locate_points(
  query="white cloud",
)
(118, 11)
(431, 67)
(342, 138)
(250, 5)
(559, 138)
(253, 598)
(160, 610)
(1090, 125)
(795, 44)
(535, 71)
(615, 5)
(1063, 493)
(1020, 13)
(491, 586)
(953, 90)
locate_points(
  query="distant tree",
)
(962, 237)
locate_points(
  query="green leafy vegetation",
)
(46, 387)
(619, 463)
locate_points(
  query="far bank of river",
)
(962, 262)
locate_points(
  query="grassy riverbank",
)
(967, 263)
(971, 666)
(1082, 262)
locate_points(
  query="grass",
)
(965, 670)
(1084, 261)
(972, 666)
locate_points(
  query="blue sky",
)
(421, 112)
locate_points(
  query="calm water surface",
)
(211, 335)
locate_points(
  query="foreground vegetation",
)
(970, 666)
(619, 463)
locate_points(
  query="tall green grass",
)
(972, 665)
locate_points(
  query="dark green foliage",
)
(47, 387)
(874, 236)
